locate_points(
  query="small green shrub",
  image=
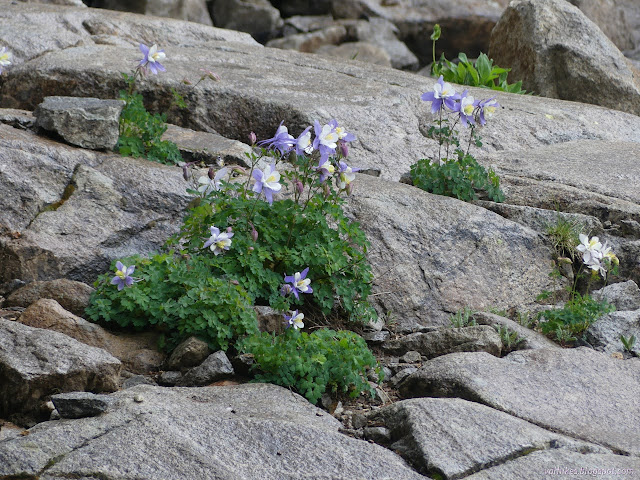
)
(178, 296)
(460, 178)
(575, 318)
(290, 235)
(628, 344)
(141, 132)
(462, 318)
(313, 363)
(563, 235)
(510, 339)
(482, 73)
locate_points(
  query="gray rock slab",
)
(81, 404)
(207, 147)
(623, 295)
(35, 363)
(254, 431)
(454, 438)
(260, 88)
(85, 122)
(481, 338)
(433, 255)
(256, 17)
(190, 10)
(577, 392)
(543, 465)
(311, 41)
(604, 334)
(558, 52)
(540, 219)
(67, 26)
(17, 118)
(613, 18)
(216, 367)
(71, 295)
(128, 205)
(530, 339)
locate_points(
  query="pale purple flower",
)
(303, 143)
(299, 282)
(466, 108)
(341, 132)
(294, 320)
(5, 58)
(123, 276)
(326, 140)
(326, 169)
(487, 109)
(286, 289)
(208, 184)
(152, 57)
(218, 241)
(267, 182)
(281, 141)
(443, 93)
(346, 175)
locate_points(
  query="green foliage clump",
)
(178, 296)
(574, 319)
(482, 73)
(510, 339)
(141, 133)
(563, 235)
(291, 235)
(462, 318)
(312, 363)
(460, 178)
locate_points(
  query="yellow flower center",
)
(468, 109)
(121, 274)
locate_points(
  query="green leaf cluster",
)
(313, 363)
(178, 296)
(141, 132)
(459, 177)
(481, 73)
(575, 318)
(291, 237)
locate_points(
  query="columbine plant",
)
(140, 131)
(568, 323)
(286, 214)
(460, 176)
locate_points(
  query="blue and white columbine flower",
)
(152, 58)
(466, 108)
(326, 169)
(326, 140)
(208, 185)
(303, 143)
(487, 109)
(341, 132)
(281, 141)
(267, 182)
(443, 93)
(218, 241)
(5, 58)
(123, 276)
(346, 175)
(294, 320)
(299, 282)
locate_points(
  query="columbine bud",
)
(326, 191)
(253, 138)
(235, 282)
(186, 173)
(344, 149)
(349, 188)
(229, 229)
(251, 249)
(186, 81)
(285, 290)
(211, 173)
(299, 186)
(254, 234)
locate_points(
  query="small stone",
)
(380, 435)
(170, 378)
(358, 420)
(81, 404)
(138, 398)
(189, 353)
(411, 357)
(85, 122)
